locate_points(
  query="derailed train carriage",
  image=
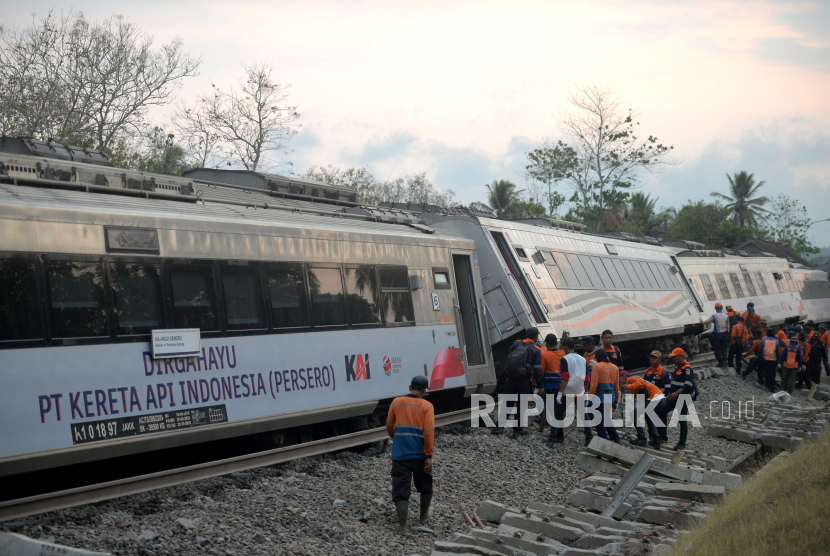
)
(551, 275)
(814, 290)
(306, 307)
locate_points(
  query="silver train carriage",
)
(737, 280)
(547, 274)
(273, 304)
(814, 289)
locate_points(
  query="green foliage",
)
(787, 223)
(710, 223)
(414, 188)
(501, 197)
(745, 208)
(603, 157)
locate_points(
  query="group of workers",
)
(796, 353)
(564, 375)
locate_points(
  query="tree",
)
(550, 165)
(71, 79)
(710, 224)
(788, 222)
(604, 154)
(200, 139)
(253, 120)
(501, 197)
(746, 209)
(161, 154)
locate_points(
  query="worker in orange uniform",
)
(751, 318)
(590, 357)
(755, 364)
(790, 363)
(682, 382)
(605, 384)
(552, 384)
(652, 395)
(803, 376)
(824, 338)
(781, 336)
(411, 425)
(732, 315)
(738, 337)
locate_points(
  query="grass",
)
(784, 510)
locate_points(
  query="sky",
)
(463, 90)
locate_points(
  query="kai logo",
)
(387, 365)
(357, 367)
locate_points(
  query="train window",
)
(603, 274)
(286, 285)
(588, 266)
(612, 272)
(762, 283)
(19, 315)
(194, 296)
(520, 253)
(708, 287)
(736, 285)
(362, 295)
(623, 273)
(136, 297)
(76, 299)
(632, 275)
(641, 274)
(789, 278)
(671, 283)
(327, 304)
(661, 282)
(724, 289)
(242, 292)
(580, 273)
(397, 299)
(655, 283)
(750, 287)
(441, 279)
(564, 266)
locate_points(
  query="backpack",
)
(517, 362)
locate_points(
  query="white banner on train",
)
(178, 342)
(57, 397)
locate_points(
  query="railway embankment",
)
(340, 503)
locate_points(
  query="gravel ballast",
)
(341, 503)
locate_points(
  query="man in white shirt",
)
(572, 368)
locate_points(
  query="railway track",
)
(90, 494)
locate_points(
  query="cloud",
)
(792, 51)
(789, 155)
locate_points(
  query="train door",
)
(467, 310)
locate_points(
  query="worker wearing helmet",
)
(732, 314)
(720, 335)
(652, 395)
(751, 318)
(682, 382)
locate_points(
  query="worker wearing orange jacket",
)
(751, 318)
(738, 337)
(824, 339)
(653, 394)
(411, 425)
(756, 363)
(605, 384)
(803, 375)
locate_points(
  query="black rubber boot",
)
(638, 442)
(679, 447)
(426, 509)
(402, 509)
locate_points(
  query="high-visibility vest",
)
(770, 348)
(791, 362)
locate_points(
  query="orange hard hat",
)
(677, 351)
(718, 304)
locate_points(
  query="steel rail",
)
(32, 505)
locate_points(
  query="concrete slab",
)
(595, 541)
(467, 541)
(447, 547)
(535, 525)
(705, 493)
(784, 442)
(492, 511)
(594, 503)
(20, 545)
(742, 434)
(666, 516)
(548, 546)
(592, 519)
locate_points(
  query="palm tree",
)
(746, 209)
(641, 209)
(501, 198)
